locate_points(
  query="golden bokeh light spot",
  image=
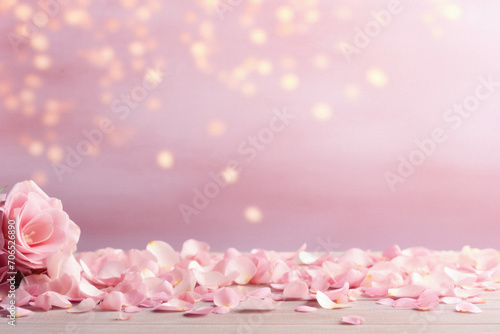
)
(343, 13)
(129, 3)
(198, 49)
(216, 128)
(248, 89)
(452, 11)
(5, 5)
(239, 73)
(27, 96)
(285, 14)
(76, 17)
(351, 91)
(42, 62)
(4, 88)
(258, 36)
(320, 61)
(55, 153)
(32, 80)
(39, 42)
(428, 17)
(253, 214)
(112, 25)
(289, 81)
(106, 98)
(185, 38)
(322, 112)
(206, 30)
(437, 32)
(11, 102)
(29, 110)
(190, 17)
(165, 159)
(376, 77)
(40, 178)
(264, 67)
(153, 104)
(23, 12)
(138, 64)
(230, 175)
(51, 118)
(143, 13)
(246, 20)
(141, 31)
(312, 16)
(36, 148)
(136, 48)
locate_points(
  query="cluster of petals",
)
(198, 282)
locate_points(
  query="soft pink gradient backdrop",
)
(320, 181)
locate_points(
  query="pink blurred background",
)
(216, 73)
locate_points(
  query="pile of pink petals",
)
(164, 280)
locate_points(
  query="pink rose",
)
(42, 227)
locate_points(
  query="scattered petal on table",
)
(305, 309)
(352, 320)
(386, 301)
(467, 307)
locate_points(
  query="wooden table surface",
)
(378, 319)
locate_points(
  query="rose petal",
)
(113, 301)
(467, 307)
(226, 297)
(386, 301)
(305, 309)
(124, 317)
(352, 320)
(296, 290)
(85, 305)
(132, 309)
(50, 298)
(405, 303)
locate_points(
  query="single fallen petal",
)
(22, 312)
(175, 305)
(476, 300)
(166, 255)
(376, 291)
(296, 290)
(327, 303)
(85, 305)
(405, 303)
(221, 310)
(245, 268)
(467, 293)
(124, 317)
(467, 307)
(352, 320)
(305, 309)
(227, 297)
(201, 311)
(428, 300)
(386, 301)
